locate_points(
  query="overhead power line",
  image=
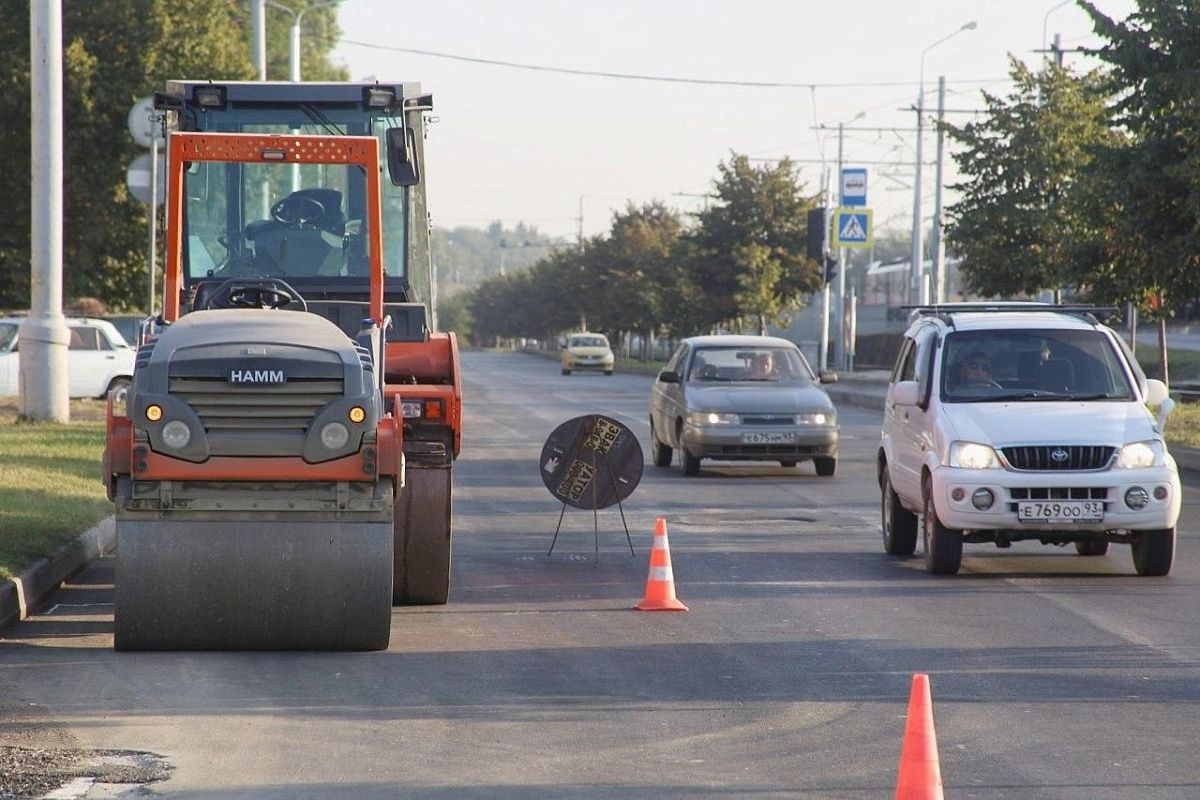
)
(639, 77)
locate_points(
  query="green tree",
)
(1021, 219)
(633, 267)
(1147, 188)
(750, 245)
(114, 51)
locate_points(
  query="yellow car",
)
(587, 351)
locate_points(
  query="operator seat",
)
(312, 246)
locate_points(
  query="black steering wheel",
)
(255, 293)
(298, 210)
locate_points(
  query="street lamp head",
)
(970, 26)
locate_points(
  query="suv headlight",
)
(1138, 455)
(712, 418)
(969, 455)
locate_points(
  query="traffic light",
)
(830, 271)
(816, 234)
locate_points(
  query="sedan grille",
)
(768, 419)
(1050, 458)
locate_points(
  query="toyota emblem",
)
(1059, 455)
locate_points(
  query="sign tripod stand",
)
(592, 462)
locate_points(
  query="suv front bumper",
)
(953, 489)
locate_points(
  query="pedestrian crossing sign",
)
(852, 227)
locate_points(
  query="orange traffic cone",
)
(660, 586)
(920, 775)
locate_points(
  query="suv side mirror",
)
(402, 157)
(906, 393)
(668, 376)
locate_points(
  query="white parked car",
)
(99, 360)
(1022, 421)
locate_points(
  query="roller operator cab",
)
(281, 465)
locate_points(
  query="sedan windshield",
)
(776, 364)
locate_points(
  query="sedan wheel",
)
(825, 466)
(662, 452)
(691, 463)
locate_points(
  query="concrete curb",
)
(21, 595)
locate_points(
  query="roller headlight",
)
(335, 435)
(1138, 455)
(712, 418)
(969, 455)
(176, 435)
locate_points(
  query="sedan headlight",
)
(1138, 455)
(815, 418)
(712, 418)
(969, 455)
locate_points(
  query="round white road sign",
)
(139, 123)
(137, 178)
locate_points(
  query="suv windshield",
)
(1003, 365)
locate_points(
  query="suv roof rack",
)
(944, 310)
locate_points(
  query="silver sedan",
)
(742, 398)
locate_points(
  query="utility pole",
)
(916, 270)
(579, 219)
(258, 36)
(823, 347)
(840, 305)
(939, 245)
(44, 336)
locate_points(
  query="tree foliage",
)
(750, 245)
(1021, 222)
(1147, 186)
(651, 274)
(114, 52)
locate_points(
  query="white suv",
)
(1013, 421)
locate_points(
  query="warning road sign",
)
(852, 227)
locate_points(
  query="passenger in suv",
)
(1014, 421)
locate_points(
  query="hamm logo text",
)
(257, 376)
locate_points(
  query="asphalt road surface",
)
(1052, 675)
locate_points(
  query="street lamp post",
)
(297, 19)
(917, 282)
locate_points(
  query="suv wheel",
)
(943, 546)
(662, 452)
(899, 524)
(1092, 547)
(1153, 552)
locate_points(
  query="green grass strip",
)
(50, 490)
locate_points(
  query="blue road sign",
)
(854, 186)
(852, 227)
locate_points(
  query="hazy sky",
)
(517, 144)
